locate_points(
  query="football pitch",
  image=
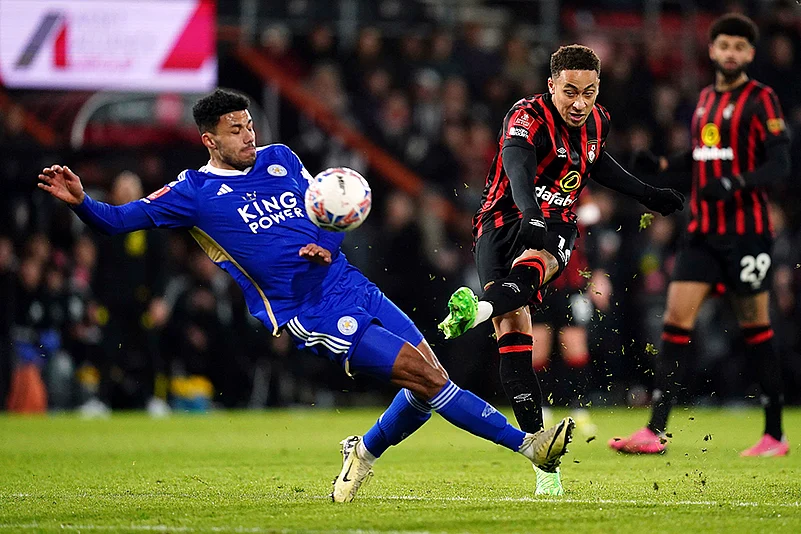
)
(271, 471)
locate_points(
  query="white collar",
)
(211, 169)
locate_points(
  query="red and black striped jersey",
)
(565, 158)
(730, 131)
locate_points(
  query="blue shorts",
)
(356, 326)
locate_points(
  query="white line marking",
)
(549, 500)
(568, 500)
(257, 530)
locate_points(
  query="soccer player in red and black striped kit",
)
(549, 146)
(740, 146)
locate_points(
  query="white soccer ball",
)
(338, 199)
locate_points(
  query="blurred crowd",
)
(147, 321)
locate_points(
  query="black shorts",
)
(741, 263)
(561, 308)
(496, 249)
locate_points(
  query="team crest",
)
(277, 170)
(592, 150)
(347, 325)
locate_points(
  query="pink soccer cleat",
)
(768, 446)
(644, 441)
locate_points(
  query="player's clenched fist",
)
(532, 230)
(62, 183)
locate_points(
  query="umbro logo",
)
(561, 152)
(223, 190)
(511, 285)
(488, 410)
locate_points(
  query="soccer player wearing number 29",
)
(245, 209)
(740, 145)
(550, 145)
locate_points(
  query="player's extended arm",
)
(520, 165)
(610, 174)
(776, 167)
(673, 171)
(112, 220)
(647, 161)
(65, 185)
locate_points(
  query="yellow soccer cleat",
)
(355, 471)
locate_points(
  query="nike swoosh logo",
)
(345, 476)
(553, 441)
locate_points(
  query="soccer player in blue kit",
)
(245, 210)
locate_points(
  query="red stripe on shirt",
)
(740, 223)
(701, 166)
(768, 103)
(759, 224)
(735, 128)
(717, 166)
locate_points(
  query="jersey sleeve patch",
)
(156, 194)
(522, 125)
(776, 126)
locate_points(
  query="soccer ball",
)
(338, 199)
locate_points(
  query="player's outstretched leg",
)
(418, 371)
(464, 409)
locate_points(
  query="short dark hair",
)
(208, 110)
(574, 57)
(734, 24)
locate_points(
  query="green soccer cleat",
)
(548, 483)
(462, 307)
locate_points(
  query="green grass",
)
(271, 471)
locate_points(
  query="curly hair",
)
(574, 57)
(734, 24)
(208, 110)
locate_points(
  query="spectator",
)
(27, 393)
(131, 280)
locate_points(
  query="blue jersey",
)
(252, 223)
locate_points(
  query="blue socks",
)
(406, 414)
(461, 408)
(465, 410)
